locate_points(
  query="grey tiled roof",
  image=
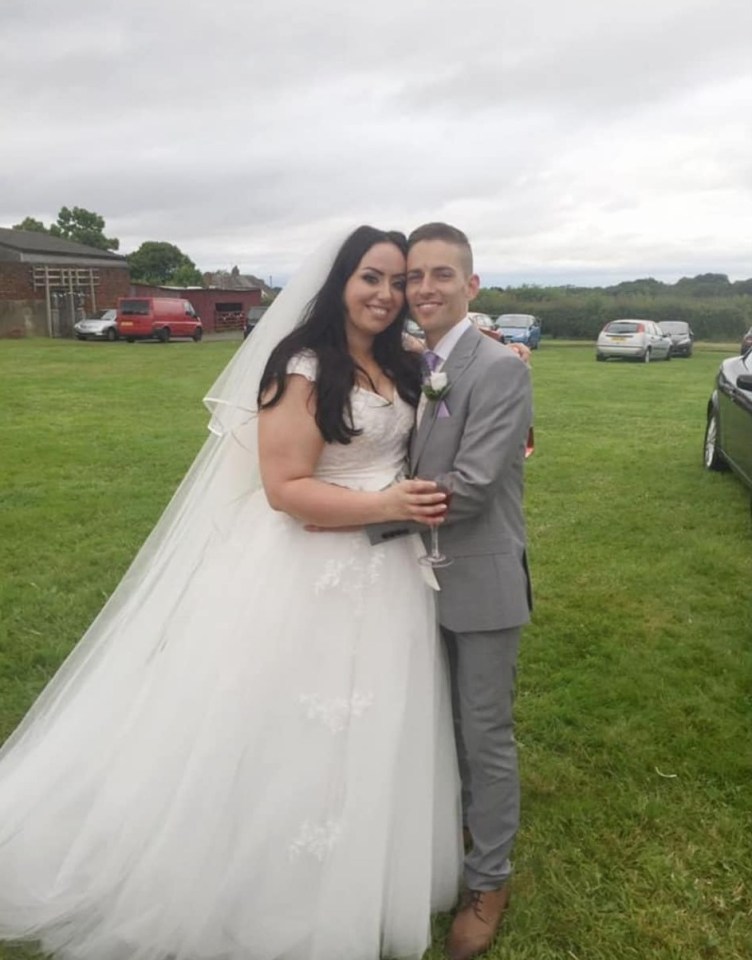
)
(15, 243)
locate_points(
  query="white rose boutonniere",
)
(436, 385)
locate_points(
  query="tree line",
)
(715, 307)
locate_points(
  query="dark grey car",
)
(681, 337)
(728, 430)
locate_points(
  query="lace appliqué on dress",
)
(337, 712)
(317, 841)
(352, 575)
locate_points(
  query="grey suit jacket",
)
(478, 450)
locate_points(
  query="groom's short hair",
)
(447, 233)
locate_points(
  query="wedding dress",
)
(255, 761)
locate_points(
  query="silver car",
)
(98, 328)
(634, 339)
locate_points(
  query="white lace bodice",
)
(373, 459)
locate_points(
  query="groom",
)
(472, 439)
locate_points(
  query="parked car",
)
(103, 327)
(251, 320)
(486, 325)
(746, 341)
(633, 339)
(681, 337)
(520, 328)
(157, 318)
(413, 329)
(728, 430)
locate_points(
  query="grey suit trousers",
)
(482, 673)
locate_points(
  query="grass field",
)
(634, 688)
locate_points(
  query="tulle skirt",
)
(256, 764)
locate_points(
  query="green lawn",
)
(634, 687)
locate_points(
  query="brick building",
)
(47, 283)
(219, 309)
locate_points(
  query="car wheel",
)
(197, 334)
(79, 337)
(111, 334)
(163, 335)
(646, 358)
(131, 339)
(668, 355)
(599, 357)
(712, 456)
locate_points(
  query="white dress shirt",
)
(442, 349)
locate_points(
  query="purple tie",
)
(431, 360)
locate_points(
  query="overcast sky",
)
(575, 141)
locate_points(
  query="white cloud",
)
(583, 140)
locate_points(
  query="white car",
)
(98, 328)
(485, 324)
(634, 339)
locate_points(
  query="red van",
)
(157, 318)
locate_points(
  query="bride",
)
(249, 755)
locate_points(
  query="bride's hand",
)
(412, 344)
(522, 351)
(417, 500)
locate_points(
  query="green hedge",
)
(581, 316)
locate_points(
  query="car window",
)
(624, 326)
(481, 320)
(134, 308)
(515, 320)
(674, 326)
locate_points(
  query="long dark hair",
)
(322, 331)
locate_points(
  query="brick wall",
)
(15, 282)
(23, 318)
(23, 310)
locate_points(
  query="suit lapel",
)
(457, 364)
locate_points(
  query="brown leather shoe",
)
(477, 923)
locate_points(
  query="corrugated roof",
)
(23, 242)
(227, 280)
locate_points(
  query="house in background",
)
(235, 280)
(47, 283)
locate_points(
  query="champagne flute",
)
(434, 557)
